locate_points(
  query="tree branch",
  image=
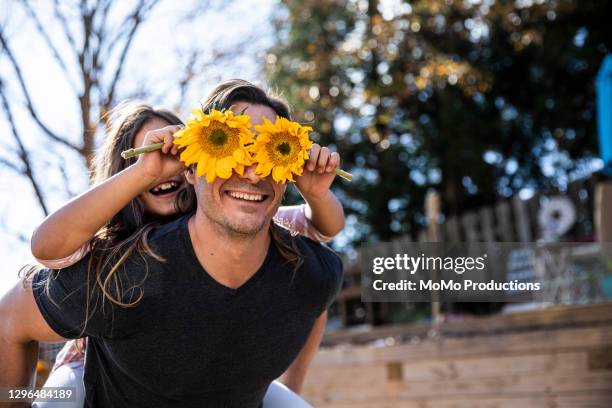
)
(23, 153)
(87, 17)
(26, 93)
(196, 65)
(10, 165)
(47, 39)
(99, 31)
(65, 179)
(65, 26)
(136, 17)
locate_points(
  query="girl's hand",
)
(318, 173)
(161, 164)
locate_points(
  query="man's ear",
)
(190, 175)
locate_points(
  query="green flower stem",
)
(344, 174)
(140, 150)
(156, 146)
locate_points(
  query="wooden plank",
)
(528, 367)
(542, 340)
(584, 225)
(489, 366)
(523, 226)
(469, 222)
(561, 315)
(603, 217)
(565, 400)
(504, 223)
(496, 386)
(532, 206)
(455, 369)
(451, 228)
(532, 341)
(496, 271)
(486, 222)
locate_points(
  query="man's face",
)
(242, 205)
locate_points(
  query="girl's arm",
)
(68, 229)
(324, 216)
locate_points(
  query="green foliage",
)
(477, 99)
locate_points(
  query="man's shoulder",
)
(316, 254)
(321, 271)
(169, 230)
(309, 245)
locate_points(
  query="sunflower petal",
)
(211, 169)
(201, 169)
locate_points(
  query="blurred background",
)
(473, 120)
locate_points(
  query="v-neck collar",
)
(212, 282)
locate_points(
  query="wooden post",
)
(603, 211)
(504, 229)
(523, 227)
(432, 209)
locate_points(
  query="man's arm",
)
(21, 328)
(295, 374)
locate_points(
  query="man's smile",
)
(247, 196)
(247, 193)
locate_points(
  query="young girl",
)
(116, 207)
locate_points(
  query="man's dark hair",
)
(229, 92)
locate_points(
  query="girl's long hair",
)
(127, 232)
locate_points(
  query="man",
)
(223, 316)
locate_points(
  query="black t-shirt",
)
(190, 341)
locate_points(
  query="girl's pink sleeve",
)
(67, 261)
(294, 219)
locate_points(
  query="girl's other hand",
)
(318, 173)
(161, 164)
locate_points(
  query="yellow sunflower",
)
(281, 148)
(216, 142)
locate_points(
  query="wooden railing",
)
(556, 357)
(510, 220)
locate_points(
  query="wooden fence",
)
(511, 220)
(556, 357)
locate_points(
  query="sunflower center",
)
(219, 140)
(218, 137)
(283, 148)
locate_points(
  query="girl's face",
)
(161, 199)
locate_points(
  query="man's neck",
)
(230, 259)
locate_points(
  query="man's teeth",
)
(249, 197)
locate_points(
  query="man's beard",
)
(239, 232)
(233, 230)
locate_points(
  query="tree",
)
(480, 100)
(88, 45)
